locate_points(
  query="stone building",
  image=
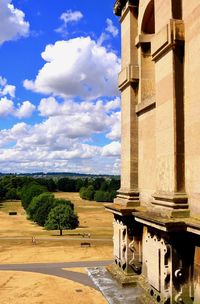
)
(157, 209)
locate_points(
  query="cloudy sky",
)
(59, 103)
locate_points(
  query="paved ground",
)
(56, 269)
(113, 291)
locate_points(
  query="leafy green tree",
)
(99, 196)
(28, 192)
(40, 207)
(61, 201)
(83, 192)
(104, 185)
(104, 196)
(49, 183)
(112, 195)
(114, 184)
(2, 191)
(79, 184)
(61, 217)
(89, 193)
(97, 182)
(67, 184)
(11, 194)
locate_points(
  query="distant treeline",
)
(60, 174)
(101, 189)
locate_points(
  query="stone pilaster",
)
(128, 84)
(167, 52)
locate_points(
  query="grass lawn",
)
(32, 288)
(94, 220)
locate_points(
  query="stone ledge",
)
(143, 38)
(121, 210)
(127, 76)
(145, 106)
(193, 225)
(167, 38)
(159, 222)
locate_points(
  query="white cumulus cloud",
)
(25, 110)
(7, 108)
(9, 90)
(77, 67)
(6, 89)
(113, 30)
(68, 17)
(71, 16)
(13, 24)
(112, 149)
(84, 118)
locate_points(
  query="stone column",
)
(128, 84)
(127, 236)
(168, 53)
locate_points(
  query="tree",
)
(47, 182)
(28, 192)
(2, 191)
(79, 184)
(61, 217)
(104, 185)
(11, 194)
(97, 183)
(67, 184)
(114, 184)
(82, 192)
(61, 201)
(88, 193)
(40, 207)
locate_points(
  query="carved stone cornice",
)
(119, 5)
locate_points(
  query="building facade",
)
(157, 209)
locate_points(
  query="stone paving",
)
(112, 290)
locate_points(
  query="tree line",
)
(39, 203)
(100, 189)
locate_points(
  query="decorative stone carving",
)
(127, 246)
(168, 269)
(119, 5)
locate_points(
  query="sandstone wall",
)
(191, 17)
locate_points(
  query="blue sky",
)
(59, 103)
